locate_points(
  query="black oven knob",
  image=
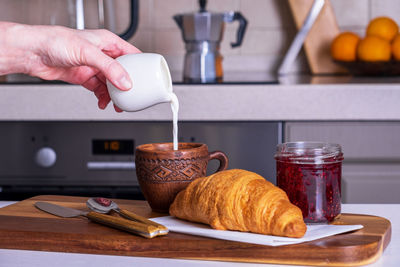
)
(45, 157)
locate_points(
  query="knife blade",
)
(59, 210)
(137, 228)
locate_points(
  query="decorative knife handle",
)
(148, 231)
(132, 216)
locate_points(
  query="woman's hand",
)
(83, 57)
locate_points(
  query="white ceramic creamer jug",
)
(151, 82)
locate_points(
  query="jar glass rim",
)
(309, 152)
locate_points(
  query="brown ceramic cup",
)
(162, 172)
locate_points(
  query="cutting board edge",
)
(380, 245)
(366, 261)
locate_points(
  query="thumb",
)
(110, 67)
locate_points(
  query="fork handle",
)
(132, 216)
(148, 231)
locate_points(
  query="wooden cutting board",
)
(22, 226)
(318, 41)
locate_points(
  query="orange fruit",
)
(383, 27)
(344, 46)
(373, 48)
(396, 47)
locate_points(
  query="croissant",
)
(239, 200)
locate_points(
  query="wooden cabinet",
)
(371, 168)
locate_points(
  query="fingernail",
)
(102, 105)
(125, 83)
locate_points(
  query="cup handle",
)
(221, 157)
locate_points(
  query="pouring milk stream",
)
(152, 84)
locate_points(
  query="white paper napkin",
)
(313, 232)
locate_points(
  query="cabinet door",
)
(371, 168)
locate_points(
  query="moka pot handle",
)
(232, 16)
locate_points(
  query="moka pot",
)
(202, 33)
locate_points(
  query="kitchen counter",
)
(19, 258)
(292, 99)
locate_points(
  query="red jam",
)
(103, 201)
(310, 174)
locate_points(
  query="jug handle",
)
(242, 27)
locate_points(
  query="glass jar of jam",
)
(310, 173)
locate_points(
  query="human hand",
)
(84, 57)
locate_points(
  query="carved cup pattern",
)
(170, 170)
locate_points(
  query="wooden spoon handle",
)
(132, 216)
(148, 231)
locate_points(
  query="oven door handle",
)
(111, 165)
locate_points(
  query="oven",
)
(97, 158)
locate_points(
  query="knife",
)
(137, 228)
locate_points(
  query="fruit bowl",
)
(377, 68)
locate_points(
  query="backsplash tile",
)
(228, 38)
(164, 10)
(351, 13)
(389, 8)
(146, 9)
(261, 41)
(168, 42)
(267, 13)
(269, 34)
(222, 5)
(143, 39)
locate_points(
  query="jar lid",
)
(309, 152)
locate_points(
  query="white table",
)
(17, 258)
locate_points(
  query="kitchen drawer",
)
(371, 168)
(360, 140)
(369, 182)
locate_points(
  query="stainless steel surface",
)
(298, 41)
(100, 207)
(100, 10)
(201, 63)
(59, 210)
(201, 26)
(80, 15)
(107, 220)
(118, 165)
(109, 11)
(202, 33)
(92, 204)
(77, 171)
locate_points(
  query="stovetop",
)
(246, 78)
(235, 78)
